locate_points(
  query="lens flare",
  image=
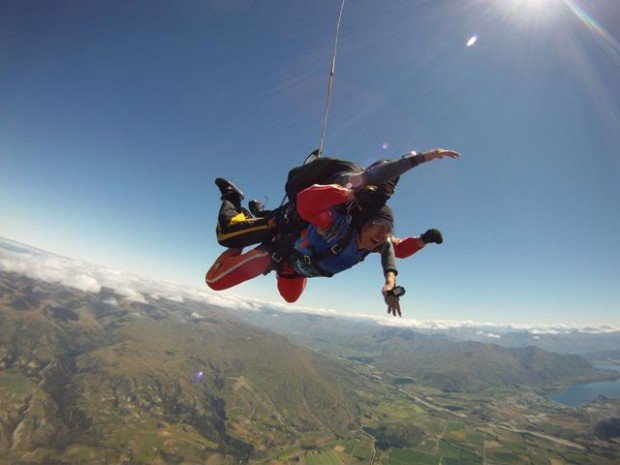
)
(564, 21)
(601, 93)
(199, 375)
(472, 40)
(385, 146)
(604, 38)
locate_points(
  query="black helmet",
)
(383, 217)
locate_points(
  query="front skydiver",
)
(330, 226)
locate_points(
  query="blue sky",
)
(115, 117)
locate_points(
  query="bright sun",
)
(531, 9)
(530, 3)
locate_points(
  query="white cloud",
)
(130, 294)
(86, 277)
(45, 266)
(82, 282)
(485, 334)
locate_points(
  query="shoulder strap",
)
(290, 224)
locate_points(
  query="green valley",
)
(96, 378)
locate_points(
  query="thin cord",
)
(330, 84)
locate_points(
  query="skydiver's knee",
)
(215, 278)
(214, 286)
(291, 288)
(217, 284)
(232, 268)
(290, 298)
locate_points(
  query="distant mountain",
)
(568, 341)
(603, 356)
(96, 377)
(472, 366)
(430, 359)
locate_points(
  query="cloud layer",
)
(87, 277)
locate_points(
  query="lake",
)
(579, 394)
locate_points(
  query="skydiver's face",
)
(373, 235)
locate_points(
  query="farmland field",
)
(322, 458)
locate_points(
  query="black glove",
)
(432, 235)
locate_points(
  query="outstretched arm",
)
(385, 172)
(388, 261)
(438, 153)
(404, 248)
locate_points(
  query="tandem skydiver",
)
(329, 228)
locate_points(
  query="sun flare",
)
(530, 9)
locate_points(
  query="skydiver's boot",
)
(236, 227)
(229, 191)
(256, 207)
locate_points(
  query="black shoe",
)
(256, 207)
(227, 188)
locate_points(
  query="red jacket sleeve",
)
(406, 247)
(314, 203)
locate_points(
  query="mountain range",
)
(101, 366)
(92, 375)
(431, 359)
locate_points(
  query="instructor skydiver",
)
(332, 242)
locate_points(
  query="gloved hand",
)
(432, 235)
(392, 301)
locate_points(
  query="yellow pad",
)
(239, 218)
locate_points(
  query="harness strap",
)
(289, 225)
(313, 261)
(335, 249)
